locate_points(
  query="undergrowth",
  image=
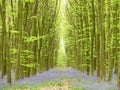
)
(37, 87)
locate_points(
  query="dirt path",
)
(66, 86)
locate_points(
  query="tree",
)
(6, 69)
(20, 29)
(92, 38)
(102, 37)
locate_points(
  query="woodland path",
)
(70, 77)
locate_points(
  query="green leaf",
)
(44, 36)
(31, 56)
(78, 88)
(27, 0)
(84, 65)
(13, 51)
(31, 39)
(24, 71)
(34, 17)
(28, 51)
(14, 31)
(13, 60)
(28, 65)
(32, 1)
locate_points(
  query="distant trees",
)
(95, 43)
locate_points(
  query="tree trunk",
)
(20, 29)
(92, 38)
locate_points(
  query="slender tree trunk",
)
(4, 34)
(19, 28)
(98, 42)
(102, 36)
(92, 38)
(109, 40)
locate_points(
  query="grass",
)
(77, 88)
(39, 86)
(17, 87)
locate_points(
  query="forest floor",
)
(60, 79)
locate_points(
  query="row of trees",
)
(94, 37)
(28, 36)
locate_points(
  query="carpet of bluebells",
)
(77, 79)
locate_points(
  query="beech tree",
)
(31, 32)
(96, 24)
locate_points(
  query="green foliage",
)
(16, 87)
(27, 0)
(29, 65)
(14, 32)
(30, 39)
(51, 83)
(77, 88)
(34, 17)
(31, 1)
(27, 52)
(36, 87)
(13, 60)
(14, 51)
(79, 40)
(34, 38)
(84, 65)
